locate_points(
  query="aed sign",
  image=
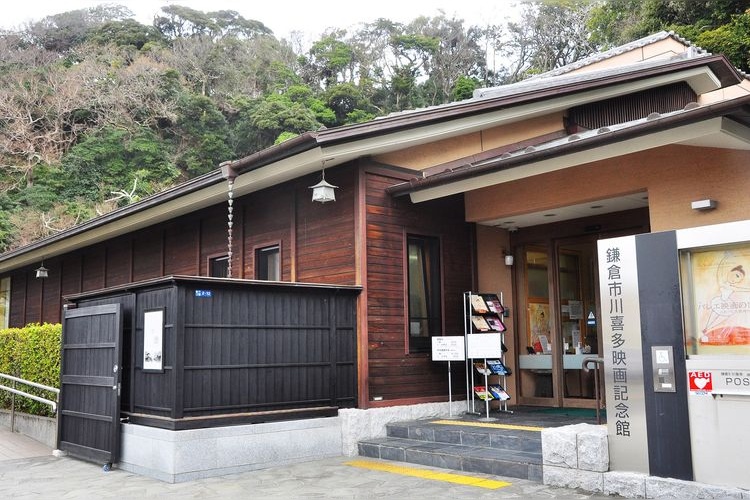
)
(700, 381)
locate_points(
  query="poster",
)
(153, 339)
(538, 323)
(720, 287)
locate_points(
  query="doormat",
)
(573, 412)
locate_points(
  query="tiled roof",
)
(693, 51)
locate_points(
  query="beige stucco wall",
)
(673, 176)
(439, 152)
(495, 277)
(663, 49)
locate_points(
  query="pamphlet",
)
(495, 324)
(494, 305)
(482, 369)
(480, 323)
(477, 303)
(496, 366)
(499, 393)
(482, 393)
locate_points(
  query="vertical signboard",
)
(623, 358)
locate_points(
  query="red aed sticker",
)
(700, 381)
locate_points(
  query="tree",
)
(61, 32)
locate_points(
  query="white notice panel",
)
(484, 345)
(448, 349)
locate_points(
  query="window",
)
(4, 303)
(268, 263)
(218, 267)
(425, 312)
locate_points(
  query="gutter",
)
(606, 137)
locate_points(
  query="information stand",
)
(484, 331)
(449, 349)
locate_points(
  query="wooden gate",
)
(90, 383)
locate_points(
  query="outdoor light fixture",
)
(703, 205)
(42, 272)
(323, 191)
(508, 260)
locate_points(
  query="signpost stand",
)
(448, 349)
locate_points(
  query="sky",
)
(284, 16)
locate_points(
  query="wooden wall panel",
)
(268, 217)
(33, 313)
(325, 231)
(119, 264)
(394, 374)
(51, 296)
(17, 299)
(147, 254)
(71, 269)
(92, 268)
(182, 249)
(213, 235)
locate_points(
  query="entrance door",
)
(90, 383)
(558, 326)
(577, 318)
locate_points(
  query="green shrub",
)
(31, 353)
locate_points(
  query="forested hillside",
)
(98, 110)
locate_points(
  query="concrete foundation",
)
(42, 429)
(176, 456)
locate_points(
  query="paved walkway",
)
(28, 470)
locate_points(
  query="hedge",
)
(31, 353)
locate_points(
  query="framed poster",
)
(153, 340)
(538, 326)
(717, 300)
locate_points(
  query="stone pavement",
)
(34, 473)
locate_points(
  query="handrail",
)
(53, 404)
(597, 362)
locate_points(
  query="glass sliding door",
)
(579, 338)
(535, 328)
(558, 324)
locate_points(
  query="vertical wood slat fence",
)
(258, 350)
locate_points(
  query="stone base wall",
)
(358, 425)
(177, 456)
(42, 429)
(577, 456)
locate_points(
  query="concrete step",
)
(498, 449)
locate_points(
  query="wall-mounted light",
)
(703, 204)
(508, 260)
(323, 192)
(42, 272)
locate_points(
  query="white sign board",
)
(484, 345)
(448, 349)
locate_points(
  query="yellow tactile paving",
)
(490, 425)
(448, 477)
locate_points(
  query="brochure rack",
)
(486, 370)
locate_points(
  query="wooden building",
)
(428, 204)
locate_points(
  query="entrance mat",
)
(571, 412)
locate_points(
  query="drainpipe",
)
(229, 173)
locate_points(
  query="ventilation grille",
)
(630, 107)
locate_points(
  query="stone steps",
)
(490, 448)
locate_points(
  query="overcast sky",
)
(281, 16)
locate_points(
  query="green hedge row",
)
(31, 353)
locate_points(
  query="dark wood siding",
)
(393, 374)
(118, 262)
(213, 235)
(182, 249)
(51, 298)
(319, 250)
(325, 231)
(268, 219)
(147, 255)
(92, 268)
